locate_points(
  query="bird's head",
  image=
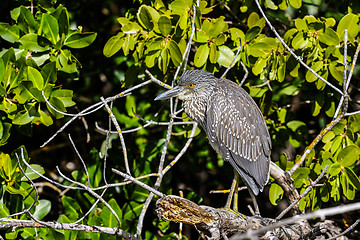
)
(192, 84)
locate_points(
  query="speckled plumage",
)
(232, 121)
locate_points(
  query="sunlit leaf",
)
(201, 55)
(275, 193)
(80, 40)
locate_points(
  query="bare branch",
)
(122, 140)
(14, 223)
(141, 184)
(233, 61)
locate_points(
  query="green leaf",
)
(35, 77)
(164, 60)
(237, 35)
(336, 144)
(328, 137)
(25, 116)
(31, 174)
(330, 37)
(324, 193)
(301, 24)
(350, 22)
(145, 18)
(295, 3)
(30, 41)
(201, 55)
(214, 53)
(252, 33)
(65, 96)
(6, 167)
(226, 56)
(26, 20)
(9, 33)
(336, 71)
(295, 124)
(58, 104)
(114, 44)
(165, 25)
(63, 20)
(5, 133)
(348, 155)
(310, 77)
(151, 58)
(275, 193)
(45, 118)
(253, 19)
(283, 161)
(260, 49)
(201, 37)
(217, 26)
(352, 178)
(50, 28)
(48, 72)
(71, 208)
(300, 40)
(259, 65)
(42, 209)
(108, 219)
(329, 108)
(66, 61)
(175, 52)
(80, 40)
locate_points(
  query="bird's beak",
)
(174, 92)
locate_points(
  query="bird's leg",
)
(236, 192)
(233, 192)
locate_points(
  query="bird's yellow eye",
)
(190, 85)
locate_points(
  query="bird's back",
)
(237, 130)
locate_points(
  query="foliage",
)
(153, 35)
(40, 48)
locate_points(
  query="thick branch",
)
(217, 223)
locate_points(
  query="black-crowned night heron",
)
(232, 121)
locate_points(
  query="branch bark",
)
(214, 223)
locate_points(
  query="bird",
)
(233, 123)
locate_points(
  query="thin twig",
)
(136, 181)
(122, 140)
(345, 90)
(187, 51)
(81, 160)
(234, 59)
(246, 73)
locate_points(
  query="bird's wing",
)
(234, 121)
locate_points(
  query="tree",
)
(301, 73)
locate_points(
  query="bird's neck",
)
(195, 108)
